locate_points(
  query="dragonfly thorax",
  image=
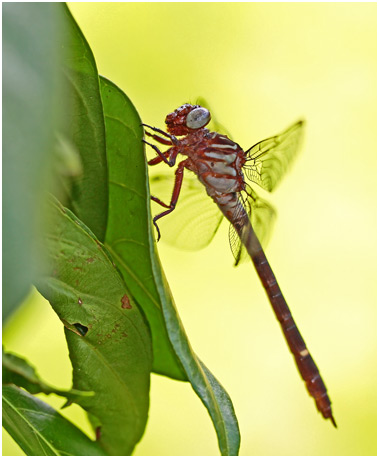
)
(218, 163)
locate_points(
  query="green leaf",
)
(30, 54)
(129, 218)
(40, 430)
(19, 372)
(129, 238)
(83, 126)
(108, 338)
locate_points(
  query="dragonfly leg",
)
(160, 154)
(157, 159)
(159, 201)
(159, 139)
(174, 197)
(173, 139)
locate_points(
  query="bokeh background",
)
(261, 66)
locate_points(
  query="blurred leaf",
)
(68, 162)
(108, 338)
(40, 430)
(130, 240)
(19, 372)
(30, 58)
(82, 126)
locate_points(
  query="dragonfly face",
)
(186, 119)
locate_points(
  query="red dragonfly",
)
(222, 166)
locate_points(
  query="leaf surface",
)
(83, 126)
(108, 338)
(129, 219)
(130, 240)
(40, 430)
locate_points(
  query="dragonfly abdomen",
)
(304, 361)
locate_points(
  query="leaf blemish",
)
(90, 260)
(125, 303)
(80, 302)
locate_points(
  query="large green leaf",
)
(108, 338)
(30, 52)
(129, 218)
(83, 126)
(40, 430)
(130, 240)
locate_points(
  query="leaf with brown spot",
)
(124, 364)
(125, 303)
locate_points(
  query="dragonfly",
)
(224, 169)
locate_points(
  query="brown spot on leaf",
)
(90, 260)
(80, 302)
(125, 303)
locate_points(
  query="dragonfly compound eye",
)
(198, 118)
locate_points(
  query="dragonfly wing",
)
(268, 160)
(214, 125)
(262, 216)
(196, 218)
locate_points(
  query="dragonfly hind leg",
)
(174, 198)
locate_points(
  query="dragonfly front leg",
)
(174, 198)
(173, 140)
(159, 139)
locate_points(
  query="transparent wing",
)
(196, 218)
(268, 160)
(214, 125)
(261, 215)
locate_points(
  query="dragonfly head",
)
(186, 119)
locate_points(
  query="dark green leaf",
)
(130, 240)
(108, 338)
(19, 372)
(40, 430)
(30, 54)
(83, 126)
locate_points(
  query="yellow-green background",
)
(261, 66)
